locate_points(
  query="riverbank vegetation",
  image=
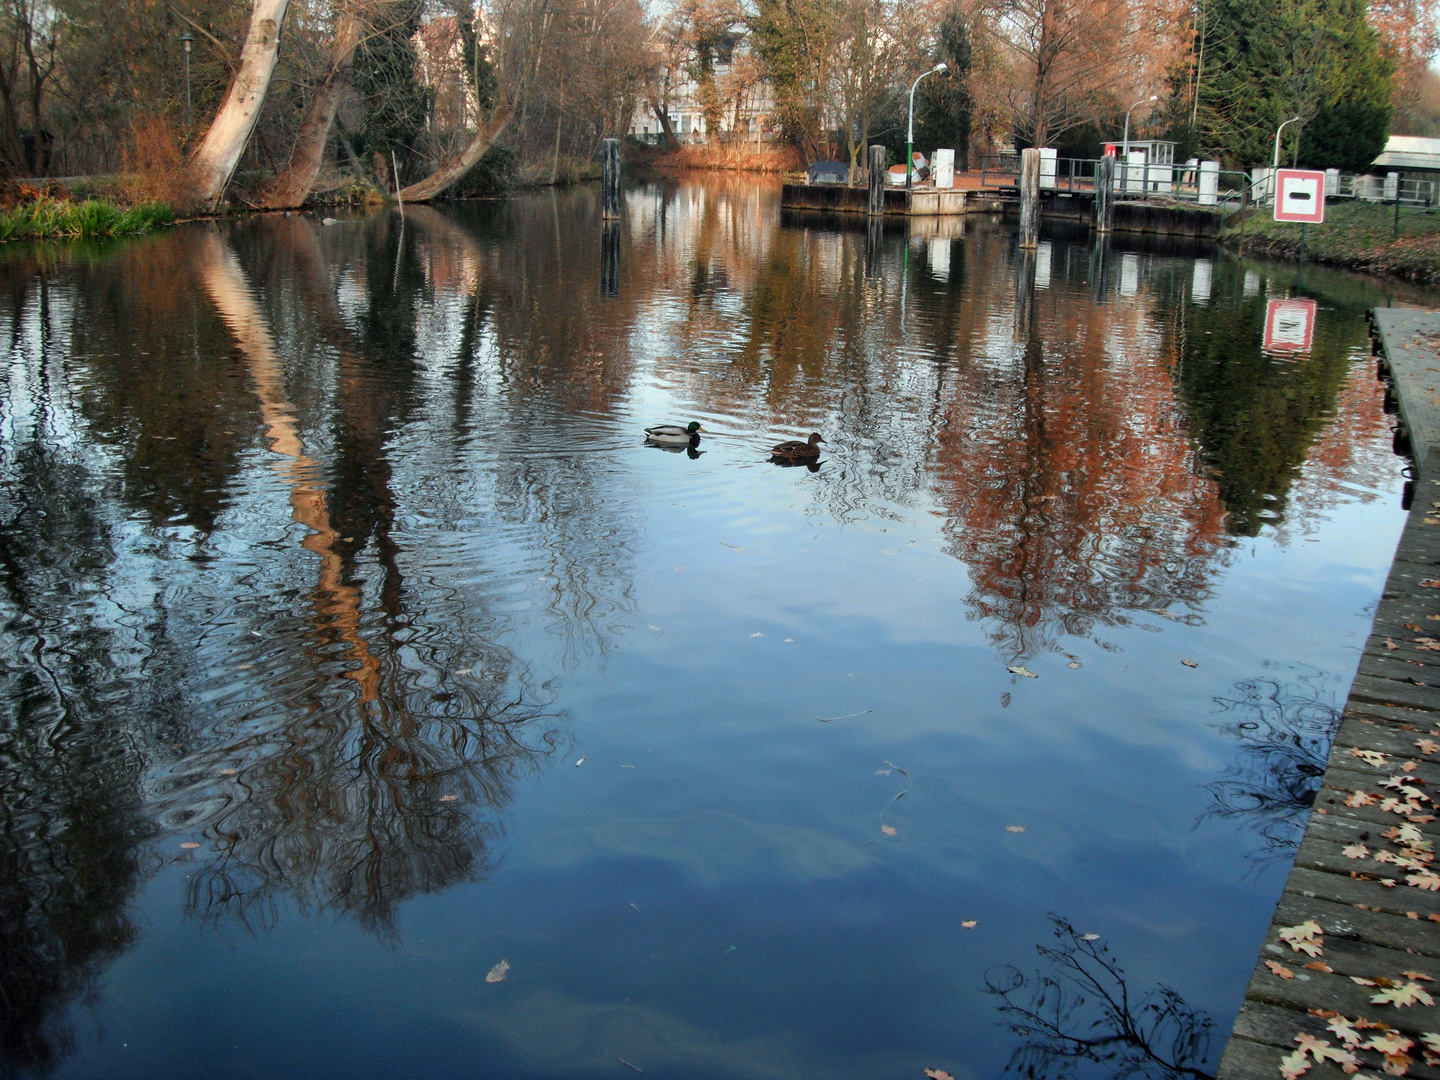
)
(1356, 236)
(270, 103)
(43, 216)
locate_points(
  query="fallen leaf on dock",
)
(1279, 969)
(1355, 851)
(1401, 996)
(1427, 746)
(1363, 982)
(1320, 965)
(1306, 937)
(1362, 798)
(497, 973)
(1374, 757)
(1417, 975)
(1410, 766)
(1390, 644)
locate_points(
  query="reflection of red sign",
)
(1300, 196)
(1290, 325)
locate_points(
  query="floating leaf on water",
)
(580, 762)
(888, 830)
(1090, 937)
(788, 640)
(970, 924)
(448, 798)
(883, 772)
(1022, 671)
(1189, 663)
(637, 1068)
(847, 716)
(757, 633)
(464, 671)
(635, 905)
(227, 772)
(627, 766)
(1074, 664)
(189, 845)
(938, 1074)
(657, 629)
(497, 973)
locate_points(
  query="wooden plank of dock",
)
(1379, 918)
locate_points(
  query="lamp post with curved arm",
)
(1125, 141)
(910, 131)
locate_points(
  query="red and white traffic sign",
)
(1300, 195)
(1290, 325)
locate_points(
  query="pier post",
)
(1029, 198)
(610, 178)
(610, 260)
(877, 181)
(1105, 194)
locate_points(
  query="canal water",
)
(374, 703)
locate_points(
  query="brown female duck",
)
(795, 450)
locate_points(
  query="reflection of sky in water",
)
(359, 673)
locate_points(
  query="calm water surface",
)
(327, 553)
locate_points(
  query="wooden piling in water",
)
(877, 181)
(1029, 198)
(1105, 194)
(610, 179)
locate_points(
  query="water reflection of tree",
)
(381, 769)
(1284, 730)
(1077, 1015)
(71, 818)
(1255, 416)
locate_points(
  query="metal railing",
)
(1147, 182)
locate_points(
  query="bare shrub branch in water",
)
(1078, 1012)
(1284, 730)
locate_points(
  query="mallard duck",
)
(795, 450)
(674, 434)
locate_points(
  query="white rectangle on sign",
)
(1300, 196)
(1289, 325)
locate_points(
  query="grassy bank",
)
(1356, 236)
(47, 218)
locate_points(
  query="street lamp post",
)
(1275, 166)
(1125, 141)
(910, 131)
(186, 40)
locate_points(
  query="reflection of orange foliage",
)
(1066, 489)
(1352, 455)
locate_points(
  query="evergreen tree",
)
(943, 106)
(1265, 61)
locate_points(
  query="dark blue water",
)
(327, 553)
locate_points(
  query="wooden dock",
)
(1357, 929)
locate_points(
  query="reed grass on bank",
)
(51, 218)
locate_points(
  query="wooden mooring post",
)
(1029, 198)
(1105, 194)
(610, 179)
(877, 181)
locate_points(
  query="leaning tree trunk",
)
(671, 142)
(462, 163)
(292, 186)
(214, 163)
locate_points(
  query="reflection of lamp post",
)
(186, 40)
(910, 131)
(1125, 141)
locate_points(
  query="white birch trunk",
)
(214, 163)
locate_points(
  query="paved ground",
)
(1360, 972)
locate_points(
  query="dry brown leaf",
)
(1374, 757)
(189, 846)
(1401, 996)
(1355, 851)
(1427, 746)
(1294, 1064)
(1305, 937)
(448, 798)
(1410, 766)
(1417, 975)
(1279, 970)
(1189, 663)
(1320, 965)
(1362, 798)
(938, 1074)
(1390, 644)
